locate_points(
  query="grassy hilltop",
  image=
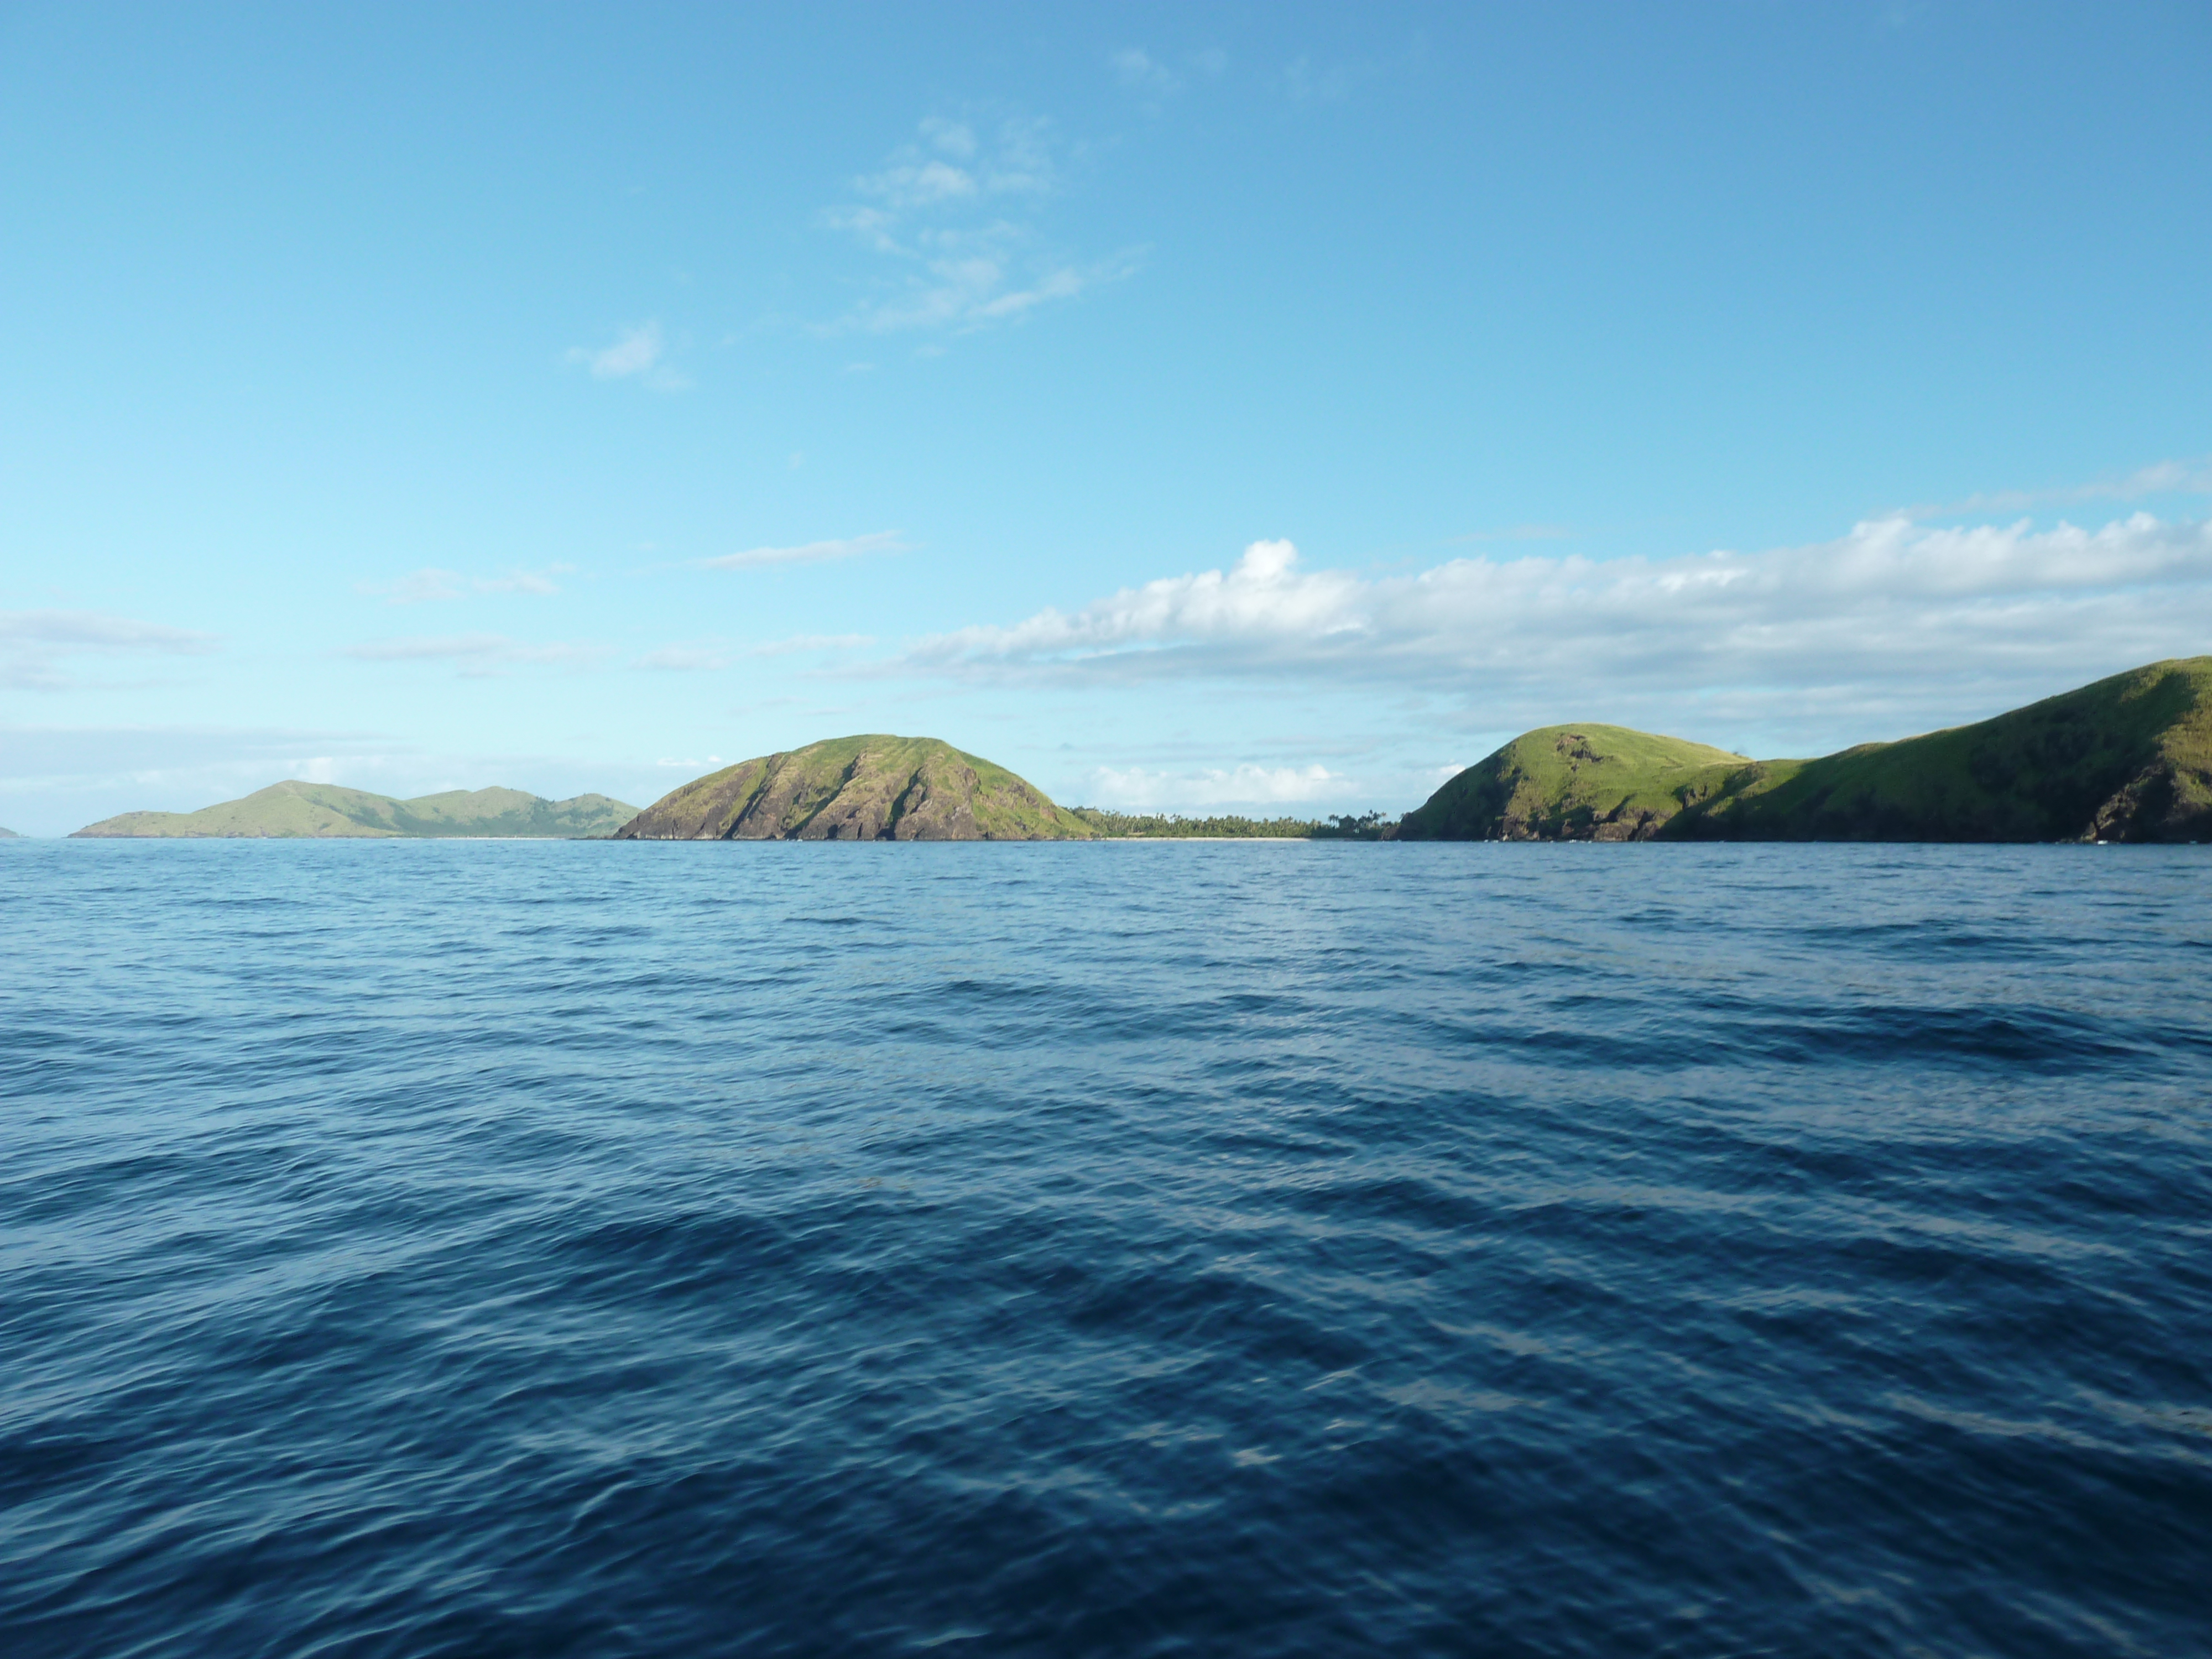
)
(2129, 759)
(1570, 783)
(324, 810)
(868, 788)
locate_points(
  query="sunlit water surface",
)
(485, 1249)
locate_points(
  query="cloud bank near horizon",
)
(1866, 619)
(1133, 789)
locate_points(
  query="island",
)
(868, 788)
(322, 812)
(2126, 759)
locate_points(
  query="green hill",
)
(1569, 783)
(870, 787)
(298, 810)
(2129, 759)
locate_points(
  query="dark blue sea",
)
(580, 1248)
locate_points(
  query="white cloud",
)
(2185, 477)
(701, 655)
(34, 644)
(1890, 604)
(520, 581)
(684, 659)
(635, 354)
(950, 164)
(920, 183)
(1307, 83)
(954, 211)
(1517, 533)
(92, 630)
(432, 584)
(1133, 789)
(478, 654)
(1152, 81)
(813, 642)
(952, 137)
(635, 350)
(418, 587)
(1138, 71)
(753, 558)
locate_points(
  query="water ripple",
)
(423, 1249)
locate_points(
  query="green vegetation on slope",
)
(1584, 782)
(324, 810)
(2129, 759)
(868, 788)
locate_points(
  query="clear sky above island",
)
(1263, 408)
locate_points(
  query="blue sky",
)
(1262, 408)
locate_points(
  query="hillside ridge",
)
(295, 809)
(868, 787)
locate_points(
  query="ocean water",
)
(550, 1248)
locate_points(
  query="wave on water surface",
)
(550, 1248)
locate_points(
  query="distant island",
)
(2127, 759)
(869, 787)
(9, 834)
(298, 810)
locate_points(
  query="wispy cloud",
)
(1891, 604)
(1139, 71)
(478, 654)
(34, 644)
(955, 210)
(684, 659)
(1153, 81)
(1518, 532)
(418, 587)
(798, 642)
(695, 656)
(1309, 82)
(521, 581)
(755, 558)
(431, 584)
(2183, 477)
(636, 353)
